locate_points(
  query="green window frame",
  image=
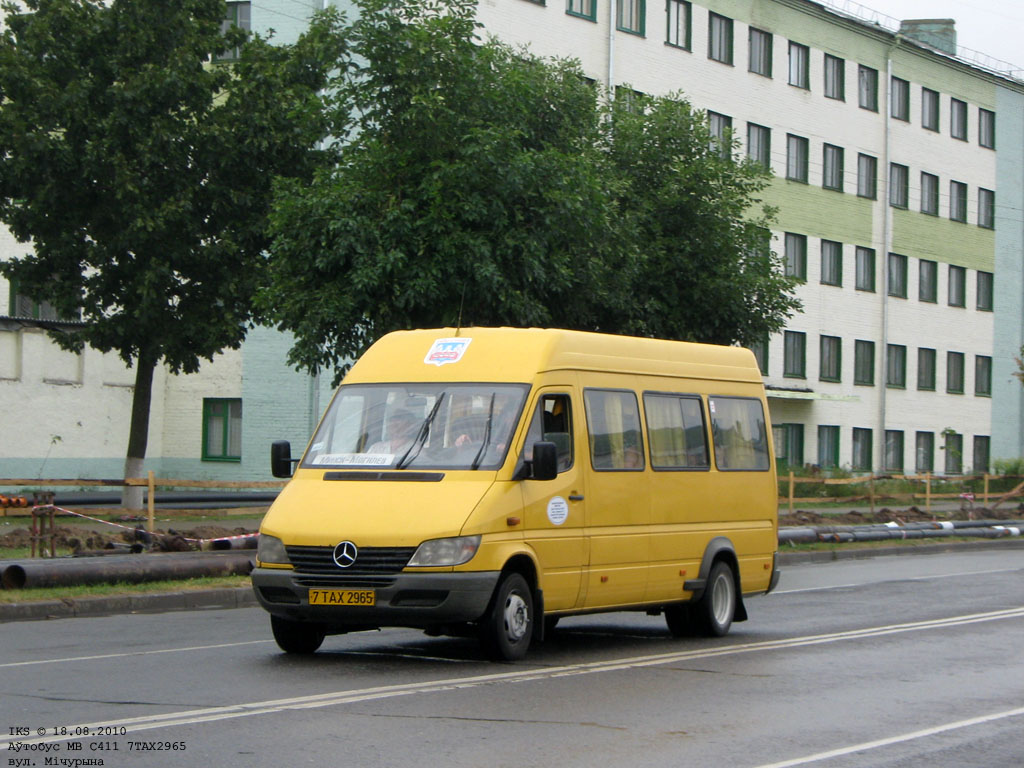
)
(720, 38)
(984, 292)
(899, 185)
(862, 449)
(789, 445)
(928, 281)
(954, 447)
(237, 14)
(957, 286)
(896, 366)
(835, 77)
(832, 161)
(864, 280)
(929, 193)
(759, 144)
(867, 176)
(924, 452)
(222, 429)
(678, 23)
(958, 201)
(830, 359)
(987, 128)
(986, 208)
(759, 47)
(894, 450)
(796, 256)
(929, 109)
(797, 153)
(632, 16)
(799, 65)
(900, 99)
(864, 363)
(955, 373)
(828, 446)
(584, 9)
(897, 275)
(982, 376)
(831, 263)
(982, 453)
(794, 363)
(958, 119)
(867, 88)
(926, 369)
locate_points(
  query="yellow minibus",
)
(493, 480)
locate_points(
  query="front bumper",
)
(420, 600)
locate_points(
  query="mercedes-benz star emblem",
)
(345, 554)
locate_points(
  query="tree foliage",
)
(479, 184)
(141, 171)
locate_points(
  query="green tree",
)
(483, 185)
(470, 187)
(704, 270)
(141, 171)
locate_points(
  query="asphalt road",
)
(894, 661)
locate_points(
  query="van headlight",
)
(270, 549)
(438, 552)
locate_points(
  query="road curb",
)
(159, 602)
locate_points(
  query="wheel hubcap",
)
(517, 618)
(721, 598)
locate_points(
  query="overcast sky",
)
(993, 27)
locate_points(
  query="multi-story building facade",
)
(899, 179)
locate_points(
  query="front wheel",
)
(296, 636)
(713, 613)
(507, 627)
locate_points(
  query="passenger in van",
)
(401, 431)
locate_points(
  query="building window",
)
(799, 65)
(867, 88)
(680, 18)
(928, 281)
(794, 355)
(760, 45)
(867, 176)
(632, 14)
(796, 158)
(796, 256)
(954, 448)
(897, 275)
(720, 38)
(900, 101)
(987, 128)
(982, 376)
(899, 185)
(865, 278)
(896, 366)
(986, 208)
(833, 173)
(985, 291)
(930, 109)
(929, 194)
(831, 358)
(957, 286)
(926, 369)
(585, 8)
(222, 429)
(828, 446)
(861, 449)
(25, 306)
(721, 133)
(981, 453)
(957, 201)
(760, 350)
(893, 450)
(924, 452)
(864, 363)
(831, 263)
(955, 373)
(237, 15)
(835, 77)
(789, 445)
(759, 144)
(958, 119)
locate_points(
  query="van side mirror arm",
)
(543, 466)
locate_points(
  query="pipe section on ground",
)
(982, 529)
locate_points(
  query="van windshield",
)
(422, 426)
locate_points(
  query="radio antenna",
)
(462, 301)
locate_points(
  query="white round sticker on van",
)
(558, 510)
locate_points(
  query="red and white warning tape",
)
(131, 528)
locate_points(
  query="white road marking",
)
(923, 733)
(883, 581)
(334, 698)
(130, 653)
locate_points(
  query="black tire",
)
(550, 622)
(507, 627)
(296, 636)
(678, 619)
(713, 613)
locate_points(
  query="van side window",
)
(738, 429)
(552, 422)
(613, 423)
(675, 429)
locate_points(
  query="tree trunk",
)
(138, 435)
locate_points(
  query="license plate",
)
(342, 597)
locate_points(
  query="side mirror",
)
(281, 458)
(545, 461)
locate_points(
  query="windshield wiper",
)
(421, 437)
(487, 436)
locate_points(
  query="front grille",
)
(343, 581)
(371, 561)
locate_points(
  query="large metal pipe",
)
(132, 569)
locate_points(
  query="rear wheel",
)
(296, 636)
(508, 626)
(713, 613)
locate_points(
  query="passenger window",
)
(552, 422)
(675, 429)
(738, 429)
(613, 423)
